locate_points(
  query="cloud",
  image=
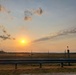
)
(3, 9)
(6, 34)
(4, 30)
(28, 18)
(58, 34)
(39, 11)
(28, 14)
(4, 37)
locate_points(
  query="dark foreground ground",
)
(7, 69)
(38, 71)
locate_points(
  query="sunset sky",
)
(37, 25)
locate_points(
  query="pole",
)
(16, 66)
(48, 54)
(68, 52)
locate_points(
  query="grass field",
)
(35, 55)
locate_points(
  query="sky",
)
(45, 25)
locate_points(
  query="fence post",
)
(15, 66)
(61, 64)
(40, 65)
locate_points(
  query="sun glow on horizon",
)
(23, 41)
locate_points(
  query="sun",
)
(23, 41)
